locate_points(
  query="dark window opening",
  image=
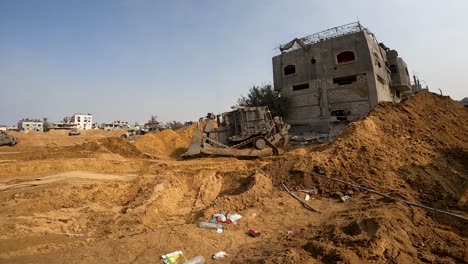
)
(300, 86)
(345, 56)
(290, 69)
(407, 73)
(345, 80)
(397, 93)
(380, 79)
(341, 115)
(393, 68)
(313, 61)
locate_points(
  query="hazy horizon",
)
(128, 60)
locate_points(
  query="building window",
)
(407, 73)
(393, 68)
(302, 86)
(345, 80)
(345, 56)
(380, 79)
(377, 60)
(313, 61)
(289, 70)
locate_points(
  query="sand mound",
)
(167, 143)
(416, 147)
(416, 150)
(112, 144)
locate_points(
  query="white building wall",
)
(31, 126)
(83, 121)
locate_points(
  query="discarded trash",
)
(195, 260)
(307, 197)
(227, 218)
(219, 230)
(299, 199)
(174, 257)
(345, 198)
(219, 255)
(253, 232)
(293, 232)
(312, 192)
(233, 217)
(76, 235)
(210, 225)
(220, 217)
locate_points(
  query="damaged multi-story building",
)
(337, 76)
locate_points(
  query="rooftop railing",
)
(324, 35)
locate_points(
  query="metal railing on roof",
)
(324, 35)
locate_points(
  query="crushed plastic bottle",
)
(210, 225)
(195, 260)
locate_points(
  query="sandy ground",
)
(98, 198)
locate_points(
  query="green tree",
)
(174, 125)
(153, 119)
(264, 95)
(46, 124)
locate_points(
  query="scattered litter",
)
(293, 232)
(219, 230)
(219, 255)
(210, 225)
(195, 260)
(311, 192)
(307, 197)
(299, 200)
(233, 217)
(254, 232)
(228, 218)
(75, 235)
(345, 198)
(220, 217)
(174, 257)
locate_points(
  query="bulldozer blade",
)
(195, 144)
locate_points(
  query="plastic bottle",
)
(210, 225)
(195, 260)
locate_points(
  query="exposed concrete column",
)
(325, 113)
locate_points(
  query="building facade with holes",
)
(82, 121)
(337, 76)
(31, 125)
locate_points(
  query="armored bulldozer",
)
(243, 132)
(7, 140)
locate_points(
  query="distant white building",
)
(120, 124)
(31, 125)
(3, 128)
(83, 121)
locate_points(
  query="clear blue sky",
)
(128, 59)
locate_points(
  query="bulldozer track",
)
(251, 140)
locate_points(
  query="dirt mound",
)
(416, 150)
(416, 147)
(111, 144)
(167, 143)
